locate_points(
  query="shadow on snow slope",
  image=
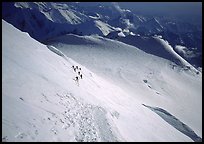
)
(176, 123)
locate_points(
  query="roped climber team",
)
(78, 70)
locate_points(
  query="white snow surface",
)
(127, 66)
(42, 102)
(177, 56)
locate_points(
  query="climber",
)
(81, 76)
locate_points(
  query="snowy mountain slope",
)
(56, 12)
(155, 45)
(42, 102)
(176, 56)
(145, 77)
(44, 20)
(151, 26)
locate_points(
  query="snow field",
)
(41, 101)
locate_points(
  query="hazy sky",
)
(188, 11)
(170, 8)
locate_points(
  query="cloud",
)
(117, 7)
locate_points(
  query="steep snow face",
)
(145, 77)
(41, 101)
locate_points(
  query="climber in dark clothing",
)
(77, 78)
(81, 76)
(78, 73)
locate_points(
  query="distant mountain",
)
(45, 20)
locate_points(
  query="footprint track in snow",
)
(90, 121)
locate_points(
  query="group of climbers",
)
(79, 73)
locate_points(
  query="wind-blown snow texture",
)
(41, 101)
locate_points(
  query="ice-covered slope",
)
(42, 102)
